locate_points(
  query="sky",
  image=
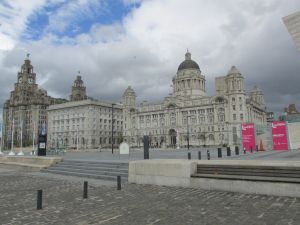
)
(117, 43)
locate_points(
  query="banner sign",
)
(279, 136)
(248, 136)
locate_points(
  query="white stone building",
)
(189, 115)
(85, 121)
(292, 22)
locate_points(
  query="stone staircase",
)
(250, 173)
(90, 169)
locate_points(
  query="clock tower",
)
(26, 109)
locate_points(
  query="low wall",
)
(28, 163)
(162, 172)
(179, 172)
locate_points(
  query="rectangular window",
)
(234, 116)
(241, 116)
(233, 107)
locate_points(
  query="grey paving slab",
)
(134, 204)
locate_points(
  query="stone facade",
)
(78, 90)
(26, 108)
(292, 22)
(84, 121)
(189, 115)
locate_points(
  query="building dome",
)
(188, 63)
(233, 70)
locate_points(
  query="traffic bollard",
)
(39, 204)
(85, 189)
(237, 150)
(119, 182)
(199, 155)
(228, 151)
(219, 152)
(251, 149)
(189, 156)
(208, 155)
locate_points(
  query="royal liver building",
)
(188, 115)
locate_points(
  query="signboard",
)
(42, 145)
(124, 148)
(248, 136)
(279, 136)
(42, 142)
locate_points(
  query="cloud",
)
(145, 48)
(13, 18)
(72, 12)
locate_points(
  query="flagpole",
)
(1, 153)
(77, 139)
(33, 136)
(21, 149)
(12, 138)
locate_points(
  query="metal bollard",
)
(199, 155)
(85, 189)
(208, 155)
(256, 148)
(39, 204)
(251, 149)
(118, 182)
(228, 151)
(237, 150)
(219, 152)
(189, 156)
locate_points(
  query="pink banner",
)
(279, 136)
(248, 136)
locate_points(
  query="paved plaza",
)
(292, 155)
(134, 204)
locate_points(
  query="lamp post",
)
(188, 133)
(112, 128)
(1, 137)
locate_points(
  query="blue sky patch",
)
(112, 11)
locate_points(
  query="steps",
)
(90, 169)
(250, 173)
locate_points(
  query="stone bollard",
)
(219, 152)
(237, 150)
(118, 182)
(228, 151)
(208, 155)
(39, 204)
(85, 189)
(199, 155)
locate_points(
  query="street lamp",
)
(112, 128)
(188, 133)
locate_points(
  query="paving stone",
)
(134, 204)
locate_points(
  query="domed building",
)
(188, 116)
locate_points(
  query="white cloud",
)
(72, 12)
(13, 18)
